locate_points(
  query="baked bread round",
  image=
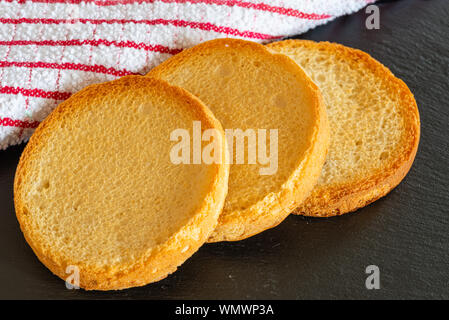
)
(374, 123)
(96, 189)
(249, 88)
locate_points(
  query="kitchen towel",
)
(50, 49)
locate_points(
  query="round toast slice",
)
(250, 89)
(374, 123)
(97, 193)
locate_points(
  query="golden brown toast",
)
(95, 188)
(247, 87)
(374, 123)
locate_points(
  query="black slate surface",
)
(405, 233)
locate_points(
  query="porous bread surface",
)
(247, 87)
(95, 187)
(374, 123)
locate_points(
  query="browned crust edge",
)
(343, 198)
(163, 259)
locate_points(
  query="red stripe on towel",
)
(8, 122)
(96, 43)
(230, 3)
(67, 66)
(205, 26)
(36, 93)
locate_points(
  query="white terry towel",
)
(52, 48)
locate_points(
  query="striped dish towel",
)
(52, 48)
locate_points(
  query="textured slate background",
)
(405, 233)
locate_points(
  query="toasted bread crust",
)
(275, 207)
(162, 259)
(340, 198)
